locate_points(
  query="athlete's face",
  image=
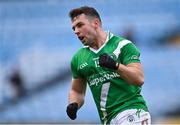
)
(85, 29)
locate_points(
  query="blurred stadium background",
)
(37, 43)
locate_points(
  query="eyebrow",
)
(76, 25)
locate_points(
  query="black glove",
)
(72, 110)
(106, 61)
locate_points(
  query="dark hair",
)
(88, 11)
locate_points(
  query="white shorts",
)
(132, 117)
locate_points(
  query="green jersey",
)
(111, 93)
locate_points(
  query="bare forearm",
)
(76, 97)
(132, 75)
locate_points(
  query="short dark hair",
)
(88, 11)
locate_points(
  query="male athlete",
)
(111, 67)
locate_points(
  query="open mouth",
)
(81, 38)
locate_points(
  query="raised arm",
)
(132, 73)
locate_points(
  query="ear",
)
(96, 23)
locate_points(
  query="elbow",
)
(137, 82)
(140, 82)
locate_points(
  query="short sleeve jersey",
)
(111, 93)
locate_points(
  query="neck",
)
(100, 39)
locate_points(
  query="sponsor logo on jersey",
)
(101, 77)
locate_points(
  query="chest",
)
(88, 65)
(88, 60)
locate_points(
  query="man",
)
(111, 67)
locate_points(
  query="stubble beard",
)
(90, 43)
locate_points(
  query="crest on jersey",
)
(130, 118)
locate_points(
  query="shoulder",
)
(121, 41)
(80, 53)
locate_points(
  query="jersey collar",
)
(109, 36)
